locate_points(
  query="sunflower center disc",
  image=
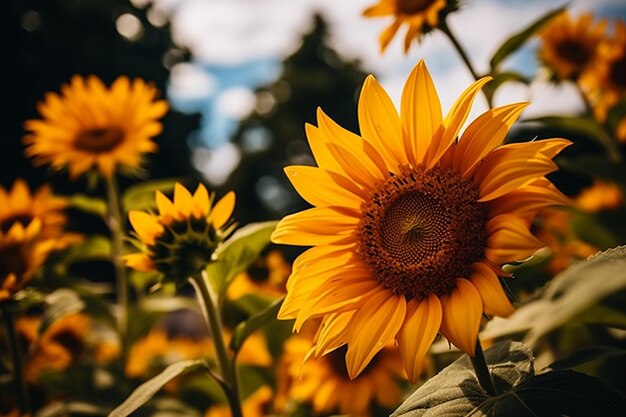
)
(618, 72)
(421, 230)
(573, 52)
(413, 6)
(99, 140)
(12, 261)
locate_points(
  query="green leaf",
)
(59, 303)
(513, 43)
(586, 355)
(455, 392)
(91, 205)
(594, 166)
(141, 196)
(572, 292)
(238, 253)
(502, 78)
(556, 394)
(589, 229)
(249, 326)
(95, 247)
(146, 391)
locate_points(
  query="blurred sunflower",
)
(255, 405)
(325, 384)
(266, 277)
(18, 205)
(179, 242)
(421, 16)
(61, 345)
(410, 226)
(570, 46)
(22, 252)
(600, 195)
(89, 126)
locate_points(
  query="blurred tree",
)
(46, 42)
(273, 136)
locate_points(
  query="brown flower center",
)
(99, 140)
(574, 52)
(6, 224)
(12, 261)
(421, 230)
(412, 6)
(617, 72)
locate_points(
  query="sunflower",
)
(179, 242)
(410, 225)
(256, 405)
(265, 278)
(325, 384)
(421, 16)
(570, 46)
(22, 252)
(19, 205)
(89, 126)
(608, 82)
(599, 196)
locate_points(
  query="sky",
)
(237, 46)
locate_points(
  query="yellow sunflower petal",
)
(316, 226)
(387, 35)
(420, 113)
(318, 141)
(223, 210)
(423, 320)
(139, 262)
(373, 326)
(166, 208)
(182, 200)
(462, 312)
(454, 121)
(509, 240)
(333, 332)
(495, 301)
(201, 203)
(320, 188)
(357, 165)
(146, 225)
(380, 124)
(483, 135)
(527, 200)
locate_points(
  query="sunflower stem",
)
(605, 139)
(19, 382)
(116, 226)
(226, 366)
(461, 51)
(482, 371)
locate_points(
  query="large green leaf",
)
(146, 391)
(95, 247)
(455, 392)
(586, 355)
(571, 293)
(513, 43)
(238, 253)
(252, 324)
(88, 204)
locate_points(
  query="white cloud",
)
(190, 82)
(217, 164)
(237, 102)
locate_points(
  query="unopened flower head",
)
(180, 240)
(412, 222)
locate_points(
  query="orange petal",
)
(222, 210)
(462, 312)
(420, 113)
(201, 203)
(526, 201)
(182, 200)
(509, 240)
(423, 320)
(139, 262)
(146, 225)
(316, 226)
(387, 35)
(167, 210)
(495, 301)
(373, 326)
(319, 187)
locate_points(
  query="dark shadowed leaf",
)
(586, 355)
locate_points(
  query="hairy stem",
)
(208, 304)
(482, 371)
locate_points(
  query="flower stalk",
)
(482, 371)
(116, 226)
(21, 388)
(464, 57)
(226, 366)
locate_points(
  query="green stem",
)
(461, 51)
(482, 371)
(116, 225)
(21, 388)
(605, 139)
(208, 305)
